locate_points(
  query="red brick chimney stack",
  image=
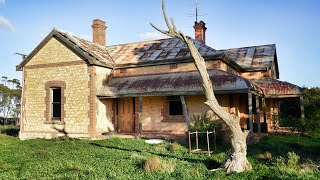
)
(200, 31)
(99, 32)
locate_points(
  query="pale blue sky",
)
(293, 25)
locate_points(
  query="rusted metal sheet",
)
(273, 87)
(156, 50)
(174, 83)
(252, 57)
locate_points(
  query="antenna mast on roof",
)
(196, 10)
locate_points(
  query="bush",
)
(206, 123)
(293, 159)
(290, 113)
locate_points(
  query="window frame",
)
(49, 86)
(53, 103)
(165, 112)
(175, 99)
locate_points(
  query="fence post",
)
(215, 139)
(189, 141)
(197, 144)
(208, 143)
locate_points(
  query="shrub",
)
(308, 166)
(293, 159)
(206, 123)
(280, 161)
(155, 164)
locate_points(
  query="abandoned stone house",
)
(79, 88)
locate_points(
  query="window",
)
(55, 100)
(175, 106)
(56, 103)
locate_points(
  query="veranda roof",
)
(275, 88)
(185, 83)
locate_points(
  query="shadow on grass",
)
(10, 131)
(209, 163)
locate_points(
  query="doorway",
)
(126, 114)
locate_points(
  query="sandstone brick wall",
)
(104, 116)
(55, 62)
(152, 120)
(102, 76)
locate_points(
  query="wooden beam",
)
(264, 108)
(258, 114)
(115, 114)
(250, 113)
(140, 115)
(185, 111)
(302, 107)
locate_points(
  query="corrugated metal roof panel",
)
(275, 87)
(174, 83)
(156, 50)
(252, 57)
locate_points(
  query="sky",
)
(293, 25)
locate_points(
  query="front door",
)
(125, 114)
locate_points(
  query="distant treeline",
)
(10, 101)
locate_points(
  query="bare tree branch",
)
(236, 160)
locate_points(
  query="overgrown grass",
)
(127, 158)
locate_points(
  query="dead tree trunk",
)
(236, 160)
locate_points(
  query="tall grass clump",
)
(155, 164)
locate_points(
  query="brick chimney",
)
(99, 32)
(200, 31)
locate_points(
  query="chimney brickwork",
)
(200, 31)
(99, 32)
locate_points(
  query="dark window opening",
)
(56, 103)
(175, 106)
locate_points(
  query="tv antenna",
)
(196, 10)
(22, 55)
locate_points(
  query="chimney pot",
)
(99, 32)
(200, 31)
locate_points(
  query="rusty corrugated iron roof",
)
(173, 84)
(252, 57)
(273, 87)
(156, 50)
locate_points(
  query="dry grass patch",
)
(3, 165)
(160, 148)
(155, 164)
(267, 155)
(174, 147)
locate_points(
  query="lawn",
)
(126, 158)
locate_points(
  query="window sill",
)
(54, 122)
